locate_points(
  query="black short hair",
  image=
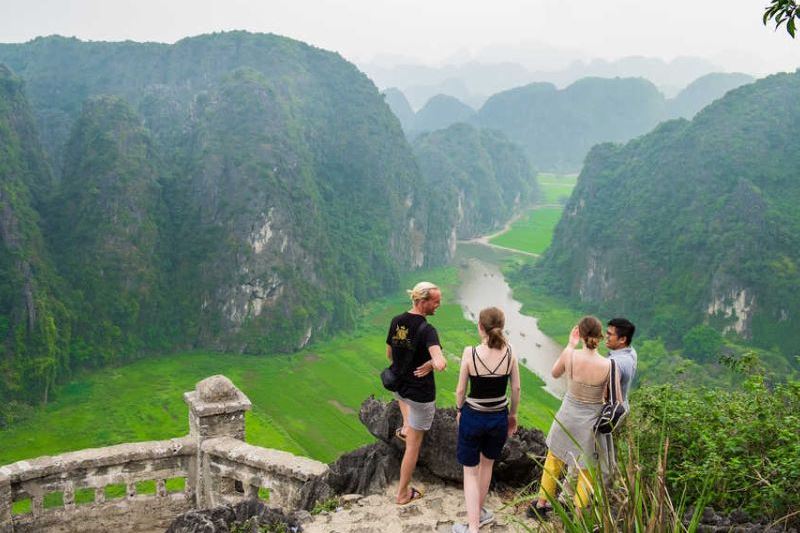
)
(624, 328)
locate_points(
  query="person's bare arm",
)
(463, 376)
(516, 388)
(437, 358)
(429, 366)
(560, 366)
(389, 353)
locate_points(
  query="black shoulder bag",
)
(389, 378)
(613, 410)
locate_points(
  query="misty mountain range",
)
(557, 127)
(473, 82)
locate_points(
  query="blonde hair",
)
(591, 331)
(421, 291)
(492, 320)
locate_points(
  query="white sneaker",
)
(460, 528)
(487, 517)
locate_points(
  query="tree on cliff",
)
(783, 11)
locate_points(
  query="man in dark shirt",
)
(413, 347)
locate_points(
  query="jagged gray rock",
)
(252, 513)
(518, 465)
(366, 470)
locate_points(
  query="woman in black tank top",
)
(486, 416)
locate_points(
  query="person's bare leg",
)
(484, 478)
(404, 409)
(472, 496)
(413, 444)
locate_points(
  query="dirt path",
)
(437, 511)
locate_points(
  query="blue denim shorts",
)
(480, 433)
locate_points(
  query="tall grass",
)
(626, 498)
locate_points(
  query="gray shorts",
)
(420, 414)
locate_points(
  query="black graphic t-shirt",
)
(401, 338)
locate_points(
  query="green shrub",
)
(744, 442)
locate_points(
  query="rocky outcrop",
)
(251, 515)
(518, 465)
(366, 470)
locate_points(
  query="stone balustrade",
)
(108, 479)
(293, 482)
(143, 486)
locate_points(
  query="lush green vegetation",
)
(737, 448)
(305, 403)
(34, 322)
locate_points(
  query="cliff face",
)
(697, 216)
(106, 229)
(34, 325)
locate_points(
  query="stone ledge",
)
(266, 459)
(98, 457)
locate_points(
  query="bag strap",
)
(612, 384)
(419, 331)
(414, 345)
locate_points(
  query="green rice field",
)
(533, 231)
(306, 403)
(556, 188)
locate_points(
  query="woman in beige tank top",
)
(571, 440)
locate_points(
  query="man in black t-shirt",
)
(413, 347)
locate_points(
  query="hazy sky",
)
(729, 33)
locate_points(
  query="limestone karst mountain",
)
(694, 223)
(557, 127)
(703, 91)
(107, 229)
(440, 112)
(476, 177)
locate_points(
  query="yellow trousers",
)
(553, 468)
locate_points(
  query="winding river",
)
(483, 285)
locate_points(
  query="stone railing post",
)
(6, 526)
(216, 409)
